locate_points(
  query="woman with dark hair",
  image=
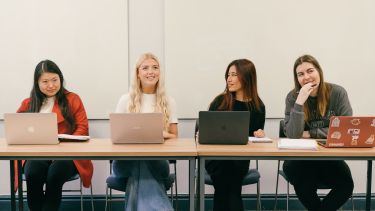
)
(240, 94)
(308, 110)
(49, 95)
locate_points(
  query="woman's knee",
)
(122, 168)
(289, 169)
(347, 185)
(61, 171)
(158, 168)
(35, 170)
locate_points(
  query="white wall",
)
(88, 40)
(203, 37)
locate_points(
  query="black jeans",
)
(307, 176)
(227, 176)
(52, 173)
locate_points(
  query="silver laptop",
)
(224, 127)
(136, 128)
(30, 128)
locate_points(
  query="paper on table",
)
(307, 144)
(73, 137)
(260, 140)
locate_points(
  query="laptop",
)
(350, 131)
(136, 128)
(30, 128)
(224, 127)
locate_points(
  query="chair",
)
(252, 176)
(281, 172)
(119, 184)
(74, 177)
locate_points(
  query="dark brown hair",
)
(247, 76)
(37, 97)
(324, 89)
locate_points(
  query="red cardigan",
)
(84, 167)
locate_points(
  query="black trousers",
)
(307, 176)
(227, 176)
(51, 173)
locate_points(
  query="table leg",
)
(191, 183)
(12, 194)
(20, 189)
(201, 183)
(368, 190)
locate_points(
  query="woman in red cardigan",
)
(49, 95)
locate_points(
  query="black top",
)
(257, 118)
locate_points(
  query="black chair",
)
(252, 176)
(281, 172)
(119, 184)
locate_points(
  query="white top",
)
(47, 105)
(148, 105)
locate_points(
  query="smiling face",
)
(49, 84)
(307, 73)
(148, 74)
(233, 81)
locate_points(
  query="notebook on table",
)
(223, 127)
(136, 128)
(350, 131)
(30, 128)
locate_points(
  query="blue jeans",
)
(145, 190)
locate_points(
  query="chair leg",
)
(175, 173)
(110, 199)
(106, 198)
(277, 185)
(287, 197)
(92, 199)
(80, 190)
(352, 203)
(259, 202)
(172, 195)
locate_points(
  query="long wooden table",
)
(101, 149)
(269, 151)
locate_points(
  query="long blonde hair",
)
(135, 93)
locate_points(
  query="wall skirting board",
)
(72, 202)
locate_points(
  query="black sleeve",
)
(214, 106)
(257, 120)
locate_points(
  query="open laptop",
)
(136, 128)
(350, 131)
(30, 128)
(223, 127)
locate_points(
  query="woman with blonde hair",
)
(146, 188)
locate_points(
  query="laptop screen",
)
(351, 131)
(223, 127)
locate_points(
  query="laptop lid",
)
(31, 128)
(351, 131)
(223, 127)
(136, 128)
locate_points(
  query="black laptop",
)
(223, 127)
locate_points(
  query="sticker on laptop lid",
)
(335, 122)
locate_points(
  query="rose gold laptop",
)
(31, 128)
(136, 128)
(350, 131)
